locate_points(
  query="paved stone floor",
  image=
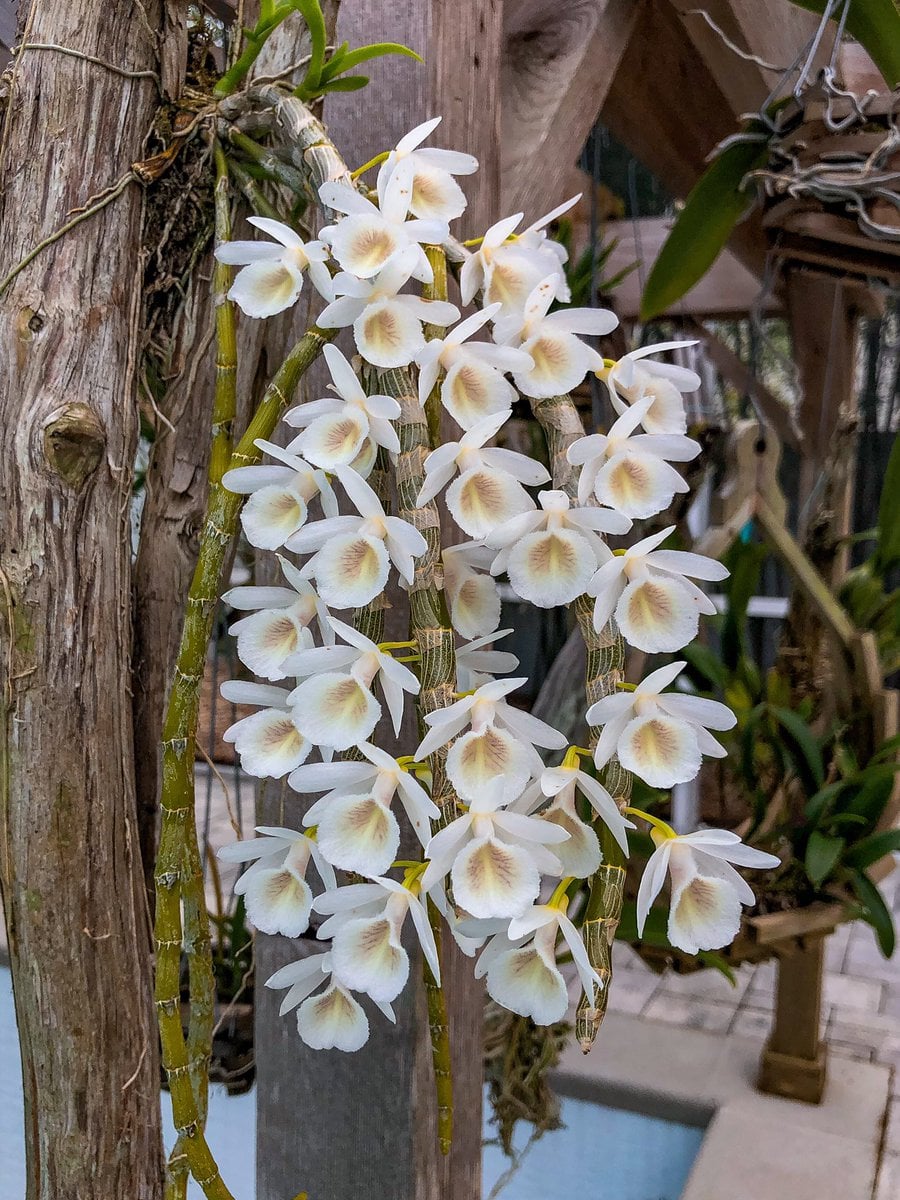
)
(861, 1017)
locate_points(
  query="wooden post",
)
(69, 344)
(794, 1060)
(365, 1123)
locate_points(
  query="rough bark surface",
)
(69, 859)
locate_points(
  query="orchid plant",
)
(495, 827)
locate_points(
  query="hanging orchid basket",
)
(832, 184)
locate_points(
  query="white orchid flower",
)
(707, 892)
(659, 736)
(522, 975)
(353, 554)
(280, 626)
(561, 359)
(562, 783)
(279, 496)
(272, 275)
(275, 891)
(335, 429)
(433, 192)
(369, 236)
(472, 595)
(579, 856)
(473, 386)
(269, 742)
(552, 554)
(387, 327)
(657, 608)
(356, 829)
(332, 1020)
(494, 857)
(500, 744)
(628, 471)
(489, 488)
(366, 949)
(631, 379)
(508, 271)
(334, 706)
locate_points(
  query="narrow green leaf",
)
(805, 750)
(818, 806)
(871, 849)
(346, 61)
(887, 749)
(710, 959)
(704, 665)
(876, 912)
(869, 799)
(347, 83)
(311, 11)
(888, 551)
(715, 205)
(875, 23)
(822, 855)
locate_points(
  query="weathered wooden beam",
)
(666, 107)
(773, 32)
(558, 65)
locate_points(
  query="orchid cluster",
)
(515, 823)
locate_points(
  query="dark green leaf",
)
(346, 60)
(871, 849)
(715, 205)
(805, 750)
(869, 800)
(889, 511)
(817, 807)
(822, 855)
(876, 912)
(875, 23)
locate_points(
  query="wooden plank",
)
(666, 107)
(728, 289)
(557, 69)
(773, 929)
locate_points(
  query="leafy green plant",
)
(829, 804)
(589, 266)
(323, 74)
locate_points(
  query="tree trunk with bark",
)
(69, 856)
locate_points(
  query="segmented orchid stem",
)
(559, 419)
(430, 629)
(178, 872)
(439, 1028)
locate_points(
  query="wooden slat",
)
(558, 65)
